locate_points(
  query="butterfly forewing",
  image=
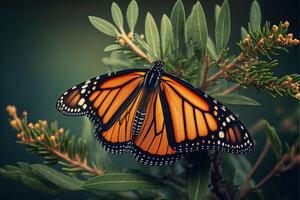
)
(110, 102)
(197, 121)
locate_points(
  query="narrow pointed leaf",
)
(152, 35)
(117, 16)
(144, 46)
(104, 26)
(223, 27)
(236, 99)
(166, 35)
(243, 32)
(211, 48)
(57, 177)
(255, 15)
(132, 15)
(217, 12)
(35, 184)
(119, 182)
(274, 138)
(199, 30)
(112, 47)
(198, 182)
(178, 23)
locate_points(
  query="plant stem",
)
(231, 89)
(77, 162)
(261, 157)
(225, 68)
(204, 85)
(135, 48)
(277, 168)
(216, 178)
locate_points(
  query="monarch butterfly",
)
(154, 115)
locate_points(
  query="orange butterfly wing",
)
(197, 121)
(151, 146)
(110, 101)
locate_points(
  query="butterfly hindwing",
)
(197, 121)
(110, 102)
(151, 146)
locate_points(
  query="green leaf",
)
(14, 175)
(199, 30)
(132, 15)
(178, 23)
(236, 99)
(255, 16)
(35, 184)
(117, 16)
(119, 182)
(223, 27)
(152, 35)
(242, 168)
(104, 26)
(211, 48)
(243, 32)
(57, 177)
(198, 181)
(112, 47)
(144, 45)
(274, 139)
(217, 12)
(166, 35)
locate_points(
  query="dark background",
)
(48, 46)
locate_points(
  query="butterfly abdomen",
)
(137, 123)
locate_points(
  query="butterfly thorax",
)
(153, 75)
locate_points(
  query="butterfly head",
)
(158, 64)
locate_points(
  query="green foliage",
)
(57, 178)
(255, 16)
(178, 22)
(236, 99)
(104, 26)
(117, 182)
(223, 27)
(198, 182)
(274, 139)
(152, 35)
(117, 16)
(132, 15)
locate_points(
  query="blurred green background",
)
(48, 46)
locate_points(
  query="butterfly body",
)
(154, 115)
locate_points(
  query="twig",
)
(135, 48)
(261, 157)
(231, 89)
(216, 178)
(203, 85)
(76, 161)
(225, 68)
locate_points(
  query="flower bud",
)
(274, 28)
(13, 123)
(286, 24)
(121, 41)
(11, 110)
(130, 35)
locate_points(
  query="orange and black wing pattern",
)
(151, 146)
(110, 101)
(196, 121)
